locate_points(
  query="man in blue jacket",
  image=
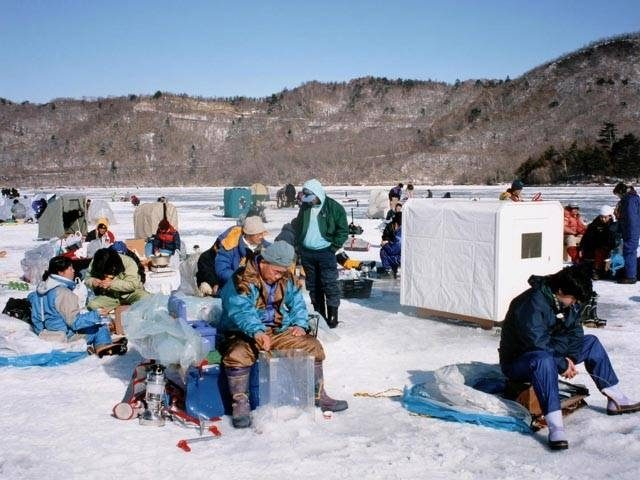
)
(235, 244)
(628, 215)
(262, 309)
(321, 229)
(542, 338)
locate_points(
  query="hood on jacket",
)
(54, 281)
(104, 221)
(316, 187)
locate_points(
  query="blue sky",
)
(92, 48)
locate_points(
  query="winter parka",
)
(628, 215)
(332, 218)
(246, 303)
(535, 321)
(55, 307)
(231, 253)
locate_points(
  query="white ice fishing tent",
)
(378, 204)
(468, 259)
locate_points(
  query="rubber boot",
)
(589, 314)
(320, 308)
(238, 379)
(557, 435)
(332, 316)
(324, 401)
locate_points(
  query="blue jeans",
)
(321, 270)
(96, 333)
(539, 368)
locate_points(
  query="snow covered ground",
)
(56, 422)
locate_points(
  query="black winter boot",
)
(589, 314)
(324, 401)
(332, 316)
(320, 308)
(238, 386)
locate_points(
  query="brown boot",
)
(238, 379)
(324, 401)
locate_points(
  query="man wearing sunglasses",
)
(262, 309)
(321, 230)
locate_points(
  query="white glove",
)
(205, 289)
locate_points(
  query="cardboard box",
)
(136, 245)
(117, 322)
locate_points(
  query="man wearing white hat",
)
(229, 251)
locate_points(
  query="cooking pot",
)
(159, 260)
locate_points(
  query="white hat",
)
(606, 210)
(253, 225)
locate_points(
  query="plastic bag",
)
(36, 261)
(159, 336)
(188, 269)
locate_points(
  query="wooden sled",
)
(571, 398)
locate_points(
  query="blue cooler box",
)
(203, 392)
(207, 332)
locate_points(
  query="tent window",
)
(531, 245)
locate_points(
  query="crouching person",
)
(263, 310)
(115, 279)
(542, 338)
(56, 308)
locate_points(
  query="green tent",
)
(64, 214)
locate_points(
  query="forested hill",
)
(367, 130)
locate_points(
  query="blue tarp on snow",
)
(450, 395)
(49, 359)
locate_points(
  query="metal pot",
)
(159, 260)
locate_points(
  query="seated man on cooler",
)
(542, 338)
(262, 309)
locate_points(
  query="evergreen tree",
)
(607, 135)
(625, 154)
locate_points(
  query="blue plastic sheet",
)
(452, 394)
(50, 359)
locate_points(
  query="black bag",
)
(18, 308)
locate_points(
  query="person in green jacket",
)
(321, 229)
(114, 279)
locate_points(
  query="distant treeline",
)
(609, 157)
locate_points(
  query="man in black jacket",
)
(542, 338)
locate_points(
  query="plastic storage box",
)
(287, 379)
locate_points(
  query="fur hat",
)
(253, 225)
(279, 253)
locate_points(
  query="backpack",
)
(19, 308)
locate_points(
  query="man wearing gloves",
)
(542, 338)
(321, 229)
(262, 309)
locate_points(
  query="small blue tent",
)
(237, 201)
